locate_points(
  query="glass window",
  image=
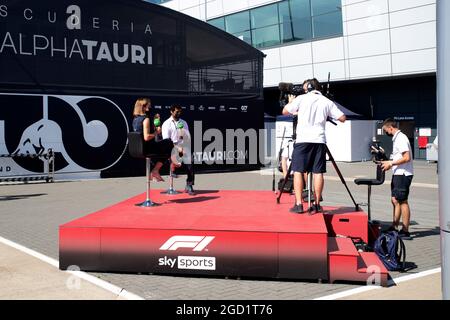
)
(267, 36)
(325, 6)
(302, 29)
(286, 32)
(237, 22)
(284, 12)
(157, 1)
(218, 23)
(300, 9)
(244, 36)
(328, 25)
(285, 21)
(264, 16)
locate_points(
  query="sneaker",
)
(317, 208)
(404, 235)
(190, 190)
(392, 228)
(297, 209)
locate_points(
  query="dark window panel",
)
(238, 22)
(300, 9)
(264, 16)
(285, 21)
(284, 12)
(327, 25)
(218, 23)
(286, 32)
(244, 36)
(157, 1)
(267, 36)
(325, 6)
(302, 29)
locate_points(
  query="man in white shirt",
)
(177, 130)
(312, 110)
(402, 174)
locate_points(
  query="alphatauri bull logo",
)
(39, 137)
(85, 133)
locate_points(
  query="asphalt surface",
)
(31, 213)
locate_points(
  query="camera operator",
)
(401, 164)
(286, 156)
(313, 110)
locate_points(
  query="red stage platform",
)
(221, 233)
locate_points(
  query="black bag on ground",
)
(391, 250)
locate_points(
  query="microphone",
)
(157, 120)
(157, 124)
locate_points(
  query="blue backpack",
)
(391, 250)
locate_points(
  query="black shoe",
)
(316, 208)
(297, 209)
(405, 235)
(189, 189)
(392, 228)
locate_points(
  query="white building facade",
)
(381, 54)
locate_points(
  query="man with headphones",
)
(309, 155)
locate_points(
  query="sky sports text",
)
(189, 263)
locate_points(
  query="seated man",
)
(177, 130)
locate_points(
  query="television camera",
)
(287, 89)
(377, 152)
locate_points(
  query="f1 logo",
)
(198, 243)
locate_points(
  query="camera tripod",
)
(330, 156)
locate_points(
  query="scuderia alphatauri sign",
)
(82, 43)
(53, 46)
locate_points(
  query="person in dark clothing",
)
(142, 123)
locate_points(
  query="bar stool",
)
(379, 180)
(136, 149)
(171, 190)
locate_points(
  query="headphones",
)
(310, 87)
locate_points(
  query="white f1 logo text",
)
(198, 243)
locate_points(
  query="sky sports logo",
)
(189, 263)
(197, 244)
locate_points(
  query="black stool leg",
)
(147, 203)
(171, 190)
(369, 193)
(309, 177)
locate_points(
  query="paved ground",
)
(24, 277)
(425, 288)
(31, 213)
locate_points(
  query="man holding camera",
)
(402, 175)
(309, 155)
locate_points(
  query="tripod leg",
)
(284, 183)
(309, 190)
(341, 177)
